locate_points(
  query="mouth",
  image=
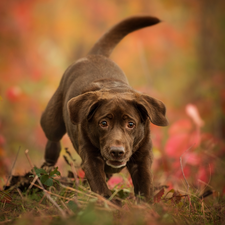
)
(116, 164)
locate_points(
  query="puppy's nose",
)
(117, 151)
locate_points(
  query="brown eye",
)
(130, 125)
(104, 124)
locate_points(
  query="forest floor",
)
(44, 197)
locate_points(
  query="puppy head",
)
(116, 122)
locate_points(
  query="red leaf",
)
(158, 196)
(81, 173)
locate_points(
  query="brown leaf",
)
(4, 197)
(176, 197)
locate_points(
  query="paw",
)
(47, 167)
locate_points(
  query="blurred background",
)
(179, 61)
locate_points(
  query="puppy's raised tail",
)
(106, 44)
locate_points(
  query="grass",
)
(69, 201)
(78, 205)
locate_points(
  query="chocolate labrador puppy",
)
(107, 121)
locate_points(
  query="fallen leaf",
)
(158, 196)
(176, 197)
(4, 197)
(170, 191)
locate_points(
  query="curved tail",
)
(105, 45)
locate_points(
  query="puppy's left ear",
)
(83, 106)
(152, 108)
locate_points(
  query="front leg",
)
(140, 170)
(93, 167)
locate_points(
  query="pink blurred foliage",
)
(81, 173)
(184, 138)
(115, 180)
(13, 93)
(187, 142)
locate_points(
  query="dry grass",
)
(70, 201)
(81, 206)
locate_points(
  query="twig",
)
(208, 180)
(215, 157)
(206, 194)
(92, 194)
(68, 210)
(52, 188)
(205, 183)
(185, 192)
(42, 199)
(18, 190)
(13, 166)
(78, 191)
(6, 221)
(45, 192)
(79, 202)
(113, 195)
(32, 183)
(101, 198)
(210, 174)
(74, 174)
(188, 186)
(183, 170)
(108, 202)
(76, 201)
(51, 192)
(203, 210)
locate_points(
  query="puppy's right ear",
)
(83, 106)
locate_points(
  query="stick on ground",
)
(45, 192)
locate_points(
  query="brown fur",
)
(107, 121)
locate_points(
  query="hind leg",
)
(54, 128)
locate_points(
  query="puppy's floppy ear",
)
(152, 108)
(83, 106)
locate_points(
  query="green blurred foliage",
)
(179, 61)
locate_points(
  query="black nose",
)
(116, 151)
